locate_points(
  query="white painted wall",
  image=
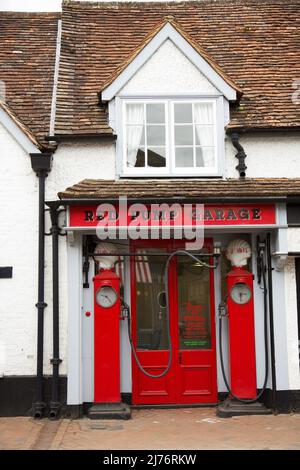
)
(293, 239)
(179, 75)
(18, 248)
(76, 161)
(269, 154)
(292, 324)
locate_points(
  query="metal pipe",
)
(39, 405)
(55, 404)
(163, 253)
(271, 319)
(41, 164)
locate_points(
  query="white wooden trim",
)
(17, 133)
(74, 253)
(169, 32)
(55, 82)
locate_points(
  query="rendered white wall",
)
(76, 161)
(293, 239)
(18, 248)
(268, 155)
(168, 71)
(292, 324)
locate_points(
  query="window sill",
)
(170, 176)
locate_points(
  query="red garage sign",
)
(160, 215)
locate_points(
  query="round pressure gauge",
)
(240, 293)
(106, 297)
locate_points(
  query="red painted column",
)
(241, 338)
(107, 342)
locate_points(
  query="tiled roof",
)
(20, 124)
(147, 189)
(27, 58)
(197, 47)
(255, 42)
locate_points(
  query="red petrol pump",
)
(107, 337)
(241, 333)
(239, 309)
(107, 315)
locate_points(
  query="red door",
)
(192, 375)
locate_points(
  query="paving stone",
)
(155, 429)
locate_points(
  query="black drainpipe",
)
(41, 165)
(271, 315)
(241, 156)
(55, 404)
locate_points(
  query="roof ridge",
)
(80, 4)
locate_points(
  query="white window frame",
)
(220, 120)
(188, 171)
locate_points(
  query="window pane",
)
(155, 113)
(204, 135)
(183, 135)
(156, 135)
(183, 112)
(140, 160)
(157, 156)
(184, 157)
(203, 113)
(205, 157)
(135, 113)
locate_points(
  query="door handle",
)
(180, 357)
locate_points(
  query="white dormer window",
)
(169, 105)
(170, 137)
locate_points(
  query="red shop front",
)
(173, 327)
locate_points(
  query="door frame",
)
(171, 245)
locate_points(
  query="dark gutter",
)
(159, 200)
(41, 165)
(230, 130)
(72, 137)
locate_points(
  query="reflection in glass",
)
(184, 157)
(157, 156)
(183, 112)
(150, 307)
(155, 113)
(183, 135)
(193, 305)
(156, 135)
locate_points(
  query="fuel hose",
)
(169, 340)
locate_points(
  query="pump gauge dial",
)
(240, 293)
(106, 297)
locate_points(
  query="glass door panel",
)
(150, 302)
(194, 310)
